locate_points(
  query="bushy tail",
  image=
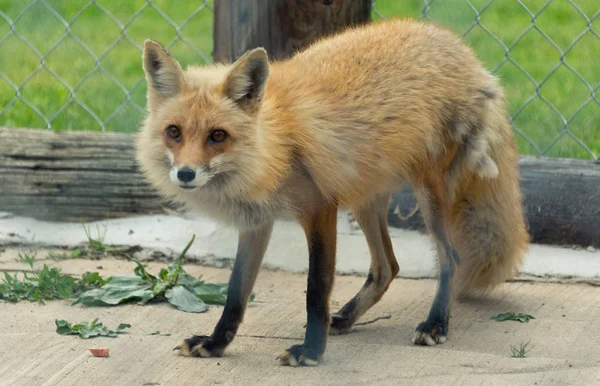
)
(487, 224)
(479, 131)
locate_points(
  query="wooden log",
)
(282, 27)
(85, 176)
(561, 200)
(72, 176)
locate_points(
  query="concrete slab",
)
(215, 245)
(565, 343)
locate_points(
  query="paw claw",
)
(430, 334)
(287, 359)
(298, 355)
(194, 347)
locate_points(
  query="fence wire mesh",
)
(76, 64)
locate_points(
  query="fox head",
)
(202, 128)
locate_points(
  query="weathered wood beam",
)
(71, 176)
(85, 176)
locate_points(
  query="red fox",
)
(341, 125)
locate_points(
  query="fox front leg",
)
(252, 245)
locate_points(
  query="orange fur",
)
(351, 118)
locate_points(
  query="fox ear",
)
(163, 73)
(245, 83)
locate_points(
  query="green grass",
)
(505, 19)
(44, 284)
(521, 351)
(72, 62)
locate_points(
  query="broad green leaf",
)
(86, 333)
(119, 289)
(211, 293)
(173, 272)
(63, 327)
(523, 318)
(159, 288)
(214, 293)
(148, 295)
(184, 300)
(187, 280)
(125, 279)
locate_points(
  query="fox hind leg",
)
(434, 329)
(372, 219)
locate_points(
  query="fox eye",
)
(217, 136)
(173, 133)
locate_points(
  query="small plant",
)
(173, 284)
(521, 351)
(45, 284)
(88, 330)
(96, 247)
(97, 243)
(26, 258)
(523, 318)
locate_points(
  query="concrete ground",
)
(215, 245)
(564, 338)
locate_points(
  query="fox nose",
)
(186, 175)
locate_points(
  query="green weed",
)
(95, 243)
(173, 285)
(516, 316)
(88, 330)
(45, 284)
(521, 351)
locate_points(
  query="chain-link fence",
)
(75, 65)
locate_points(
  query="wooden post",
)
(280, 26)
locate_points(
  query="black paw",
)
(200, 346)
(298, 355)
(430, 334)
(340, 324)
